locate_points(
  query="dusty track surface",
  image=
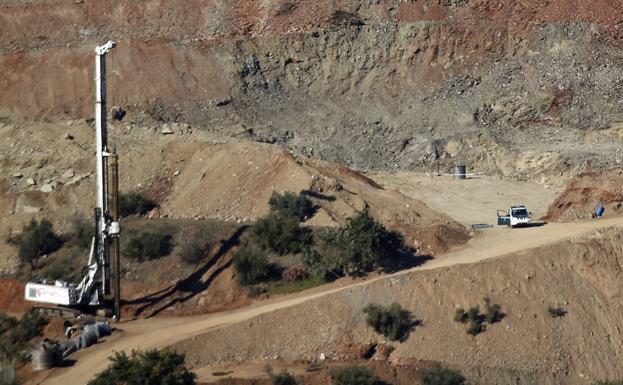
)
(151, 333)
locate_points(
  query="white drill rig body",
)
(95, 285)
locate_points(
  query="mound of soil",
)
(234, 181)
(585, 192)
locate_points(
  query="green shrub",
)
(251, 265)
(134, 203)
(280, 233)
(36, 239)
(297, 206)
(81, 231)
(148, 245)
(366, 245)
(393, 322)
(192, 246)
(475, 328)
(153, 367)
(473, 314)
(493, 311)
(353, 375)
(460, 316)
(556, 312)
(283, 378)
(15, 335)
(437, 375)
(475, 320)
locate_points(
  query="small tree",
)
(135, 203)
(367, 245)
(393, 322)
(353, 375)
(437, 375)
(251, 265)
(298, 206)
(147, 245)
(153, 367)
(280, 233)
(37, 239)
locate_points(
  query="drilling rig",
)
(93, 292)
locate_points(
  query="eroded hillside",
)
(507, 87)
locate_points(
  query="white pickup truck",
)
(516, 216)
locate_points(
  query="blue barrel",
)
(600, 210)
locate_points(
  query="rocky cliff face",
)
(507, 87)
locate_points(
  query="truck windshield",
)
(520, 213)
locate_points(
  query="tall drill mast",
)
(95, 285)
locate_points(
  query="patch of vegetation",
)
(153, 367)
(192, 245)
(35, 240)
(251, 265)
(298, 206)
(438, 375)
(493, 312)
(619, 382)
(135, 203)
(16, 335)
(81, 231)
(283, 378)
(476, 320)
(353, 375)
(363, 245)
(556, 312)
(294, 286)
(148, 245)
(281, 233)
(393, 322)
(294, 273)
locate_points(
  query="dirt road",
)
(153, 333)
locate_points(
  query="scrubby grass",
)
(283, 287)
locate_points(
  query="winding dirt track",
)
(154, 333)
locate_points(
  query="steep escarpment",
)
(509, 87)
